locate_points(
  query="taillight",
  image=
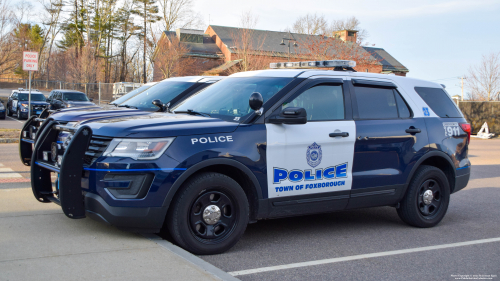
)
(466, 127)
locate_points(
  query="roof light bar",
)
(314, 64)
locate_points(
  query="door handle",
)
(413, 131)
(343, 134)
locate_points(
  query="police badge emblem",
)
(314, 155)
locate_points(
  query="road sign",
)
(30, 61)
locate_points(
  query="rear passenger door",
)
(388, 142)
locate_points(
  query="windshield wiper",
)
(192, 112)
(127, 106)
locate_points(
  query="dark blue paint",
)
(135, 170)
(388, 148)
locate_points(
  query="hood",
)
(79, 103)
(159, 125)
(95, 112)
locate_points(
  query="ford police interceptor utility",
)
(159, 97)
(258, 145)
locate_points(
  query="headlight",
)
(24, 104)
(138, 149)
(1, 106)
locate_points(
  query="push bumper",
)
(69, 192)
(29, 134)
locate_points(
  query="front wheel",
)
(427, 198)
(9, 112)
(19, 114)
(209, 215)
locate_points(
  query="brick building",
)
(216, 50)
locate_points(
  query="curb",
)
(16, 140)
(207, 267)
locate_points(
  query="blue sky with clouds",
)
(433, 39)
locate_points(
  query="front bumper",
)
(99, 190)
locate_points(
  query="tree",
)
(351, 23)
(311, 24)
(125, 30)
(53, 10)
(320, 47)
(483, 79)
(247, 46)
(27, 37)
(178, 13)
(147, 10)
(172, 60)
(7, 45)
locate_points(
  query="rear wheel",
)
(209, 215)
(427, 198)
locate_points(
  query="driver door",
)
(306, 162)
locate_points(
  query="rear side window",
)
(439, 101)
(404, 111)
(376, 103)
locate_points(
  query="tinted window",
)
(34, 97)
(228, 99)
(404, 111)
(376, 103)
(323, 102)
(164, 91)
(75, 97)
(439, 101)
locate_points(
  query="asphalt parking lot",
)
(368, 244)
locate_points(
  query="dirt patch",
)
(9, 133)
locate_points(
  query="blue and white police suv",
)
(259, 145)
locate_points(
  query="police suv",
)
(258, 145)
(152, 98)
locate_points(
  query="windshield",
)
(75, 97)
(164, 91)
(228, 99)
(34, 97)
(131, 94)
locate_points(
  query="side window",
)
(403, 109)
(375, 103)
(321, 102)
(439, 101)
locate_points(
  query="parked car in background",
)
(166, 93)
(68, 98)
(122, 88)
(18, 103)
(2, 110)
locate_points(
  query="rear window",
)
(439, 101)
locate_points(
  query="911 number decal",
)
(451, 129)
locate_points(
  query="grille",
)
(96, 148)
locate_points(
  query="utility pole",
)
(462, 82)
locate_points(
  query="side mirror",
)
(160, 105)
(290, 115)
(91, 99)
(256, 101)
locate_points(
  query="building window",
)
(367, 70)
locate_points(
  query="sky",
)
(436, 40)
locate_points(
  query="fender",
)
(211, 162)
(419, 163)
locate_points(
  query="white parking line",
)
(359, 257)
(15, 120)
(9, 173)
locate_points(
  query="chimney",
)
(347, 35)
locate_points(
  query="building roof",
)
(389, 63)
(269, 41)
(207, 49)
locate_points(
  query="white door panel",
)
(304, 159)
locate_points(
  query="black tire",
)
(19, 115)
(9, 113)
(414, 209)
(185, 220)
